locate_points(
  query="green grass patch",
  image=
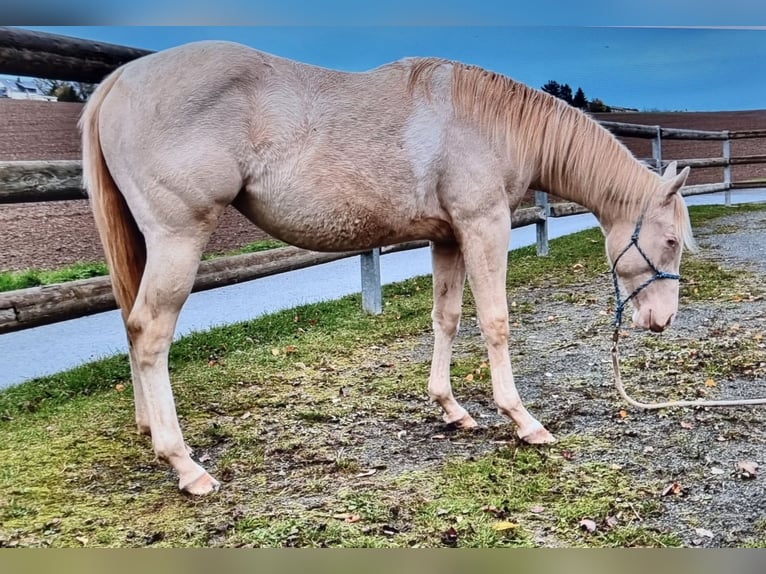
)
(12, 280)
(255, 247)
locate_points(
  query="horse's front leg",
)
(448, 282)
(484, 242)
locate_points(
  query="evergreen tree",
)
(553, 88)
(566, 94)
(579, 100)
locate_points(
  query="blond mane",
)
(574, 156)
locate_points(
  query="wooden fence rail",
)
(27, 53)
(41, 55)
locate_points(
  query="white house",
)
(19, 89)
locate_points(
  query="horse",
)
(416, 149)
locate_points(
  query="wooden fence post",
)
(372, 291)
(727, 168)
(541, 200)
(657, 150)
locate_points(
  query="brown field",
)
(55, 234)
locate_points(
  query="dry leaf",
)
(686, 425)
(290, 349)
(495, 511)
(349, 517)
(275, 351)
(567, 454)
(504, 525)
(119, 387)
(717, 471)
(704, 532)
(588, 524)
(246, 415)
(710, 383)
(469, 377)
(612, 521)
(747, 468)
(673, 488)
(623, 414)
(537, 509)
(449, 536)
(364, 473)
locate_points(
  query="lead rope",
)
(620, 307)
(668, 404)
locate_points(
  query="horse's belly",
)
(322, 225)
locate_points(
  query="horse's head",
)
(646, 253)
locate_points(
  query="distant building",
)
(19, 89)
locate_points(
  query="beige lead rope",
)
(669, 404)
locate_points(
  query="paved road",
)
(54, 348)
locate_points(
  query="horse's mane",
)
(572, 151)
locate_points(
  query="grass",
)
(316, 421)
(12, 280)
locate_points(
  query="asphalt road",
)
(53, 348)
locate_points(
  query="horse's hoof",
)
(200, 486)
(464, 422)
(537, 435)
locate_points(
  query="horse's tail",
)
(123, 243)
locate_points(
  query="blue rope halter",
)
(621, 303)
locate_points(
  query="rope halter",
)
(621, 303)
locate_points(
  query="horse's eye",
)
(671, 242)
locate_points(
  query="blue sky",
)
(646, 68)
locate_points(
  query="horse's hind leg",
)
(448, 282)
(484, 244)
(171, 265)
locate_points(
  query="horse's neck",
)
(580, 161)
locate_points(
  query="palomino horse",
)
(335, 161)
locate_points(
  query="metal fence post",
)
(372, 292)
(657, 150)
(727, 168)
(541, 200)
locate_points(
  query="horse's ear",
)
(670, 170)
(673, 183)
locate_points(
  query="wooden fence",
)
(58, 57)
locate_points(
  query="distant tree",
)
(597, 105)
(579, 100)
(566, 94)
(553, 88)
(66, 91)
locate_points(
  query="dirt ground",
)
(50, 235)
